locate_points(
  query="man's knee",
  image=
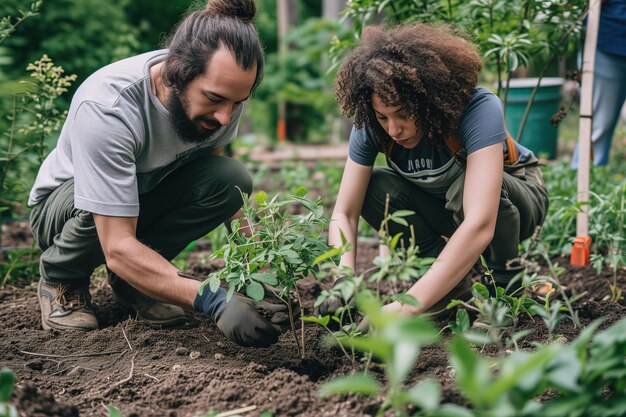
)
(227, 180)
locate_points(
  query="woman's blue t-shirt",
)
(432, 167)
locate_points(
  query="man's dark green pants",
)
(187, 204)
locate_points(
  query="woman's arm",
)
(345, 217)
(481, 198)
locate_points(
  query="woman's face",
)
(398, 123)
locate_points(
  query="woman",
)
(413, 94)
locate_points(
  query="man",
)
(137, 175)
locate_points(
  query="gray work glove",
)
(243, 320)
(340, 295)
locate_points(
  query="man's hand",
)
(243, 320)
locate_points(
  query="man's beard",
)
(189, 132)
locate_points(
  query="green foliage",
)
(395, 340)
(7, 384)
(588, 374)
(114, 411)
(8, 24)
(80, 35)
(508, 32)
(34, 118)
(271, 249)
(298, 78)
(403, 263)
(607, 218)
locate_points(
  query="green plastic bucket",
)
(539, 135)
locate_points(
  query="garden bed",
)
(194, 369)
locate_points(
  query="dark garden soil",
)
(188, 371)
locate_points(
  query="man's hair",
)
(222, 23)
(430, 70)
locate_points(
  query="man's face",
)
(209, 100)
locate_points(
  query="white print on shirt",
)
(419, 163)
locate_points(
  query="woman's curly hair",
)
(430, 70)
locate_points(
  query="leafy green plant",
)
(271, 249)
(42, 116)
(395, 340)
(19, 261)
(403, 263)
(9, 24)
(509, 33)
(7, 384)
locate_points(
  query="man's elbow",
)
(116, 254)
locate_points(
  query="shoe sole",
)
(47, 326)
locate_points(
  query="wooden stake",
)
(580, 251)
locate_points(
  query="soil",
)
(147, 371)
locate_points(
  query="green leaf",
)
(404, 357)
(402, 213)
(114, 411)
(472, 372)
(426, 394)
(462, 320)
(481, 289)
(261, 198)
(301, 191)
(356, 384)
(214, 283)
(265, 277)
(255, 291)
(394, 241)
(7, 383)
(318, 320)
(327, 254)
(407, 299)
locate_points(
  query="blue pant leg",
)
(609, 93)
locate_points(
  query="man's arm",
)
(140, 266)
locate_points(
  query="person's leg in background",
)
(609, 94)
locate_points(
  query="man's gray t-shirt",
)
(118, 141)
(433, 168)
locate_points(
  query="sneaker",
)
(146, 308)
(65, 306)
(463, 291)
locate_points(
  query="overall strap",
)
(510, 157)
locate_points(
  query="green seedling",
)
(395, 341)
(7, 384)
(270, 250)
(114, 411)
(403, 263)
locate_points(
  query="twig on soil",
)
(127, 341)
(152, 377)
(72, 366)
(125, 380)
(236, 411)
(202, 334)
(77, 355)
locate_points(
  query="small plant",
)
(270, 250)
(403, 263)
(7, 384)
(497, 312)
(395, 340)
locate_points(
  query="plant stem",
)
(293, 328)
(301, 315)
